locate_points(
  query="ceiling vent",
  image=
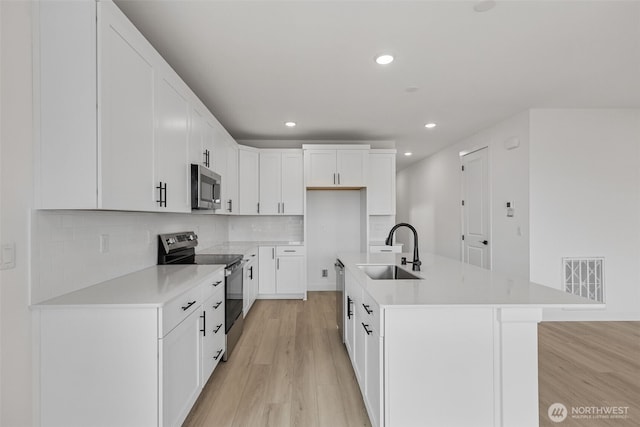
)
(584, 277)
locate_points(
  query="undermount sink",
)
(387, 272)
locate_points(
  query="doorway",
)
(476, 246)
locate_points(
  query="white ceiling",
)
(257, 64)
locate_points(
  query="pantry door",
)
(475, 208)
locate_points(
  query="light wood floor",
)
(589, 364)
(290, 368)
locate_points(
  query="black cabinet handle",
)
(215, 307)
(251, 273)
(368, 331)
(217, 283)
(366, 308)
(349, 312)
(204, 324)
(484, 242)
(217, 355)
(215, 331)
(230, 209)
(189, 304)
(162, 194)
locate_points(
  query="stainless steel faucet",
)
(416, 259)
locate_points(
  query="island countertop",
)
(449, 282)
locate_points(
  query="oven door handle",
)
(236, 266)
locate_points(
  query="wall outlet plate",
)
(8, 256)
(325, 272)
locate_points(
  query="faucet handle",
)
(403, 260)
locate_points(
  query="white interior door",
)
(475, 208)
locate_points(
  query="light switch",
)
(104, 243)
(8, 256)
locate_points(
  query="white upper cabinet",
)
(172, 174)
(343, 167)
(132, 152)
(125, 112)
(281, 182)
(270, 182)
(230, 183)
(381, 185)
(248, 164)
(292, 183)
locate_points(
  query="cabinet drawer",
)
(178, 309)
(396, 249)
(216, 313)
(289, 250)
(213, 285)
(371, 313)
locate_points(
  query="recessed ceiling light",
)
(290, 124)
(408, 153)
(484, 5)
(384, 59)
(430, 125)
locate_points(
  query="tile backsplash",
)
(72, 250)
(266, 228)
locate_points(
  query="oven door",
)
(234, 294)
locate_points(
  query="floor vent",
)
(584, 277)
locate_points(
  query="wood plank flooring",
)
(289, 369)
(589, 364)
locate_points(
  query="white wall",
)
(16, 193)
(333, 225)
(585, 201)
(429, 194)
(266, 228)
(66, 245)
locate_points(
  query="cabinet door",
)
(292, 184)
(248, 181)
(373, 374)
(125, 97)
(359, 345)
(218, 162)
(267, 270)
(180, 381)
(270, 182)
(290, 275)
(171, 147)
(320, 168)
(196, 137)
(352, 168)
(349, 323)
(381, 186)
(230, 183)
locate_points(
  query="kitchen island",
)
(456, 346)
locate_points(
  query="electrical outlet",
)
(104, 243)
(8, 256)
(325, 272)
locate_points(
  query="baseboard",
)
(558, 315)
(321, 286)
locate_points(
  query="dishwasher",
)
(340, 297)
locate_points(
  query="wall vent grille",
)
(584, 277)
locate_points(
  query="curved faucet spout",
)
(416, 258)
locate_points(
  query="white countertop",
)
(151, 287)
(448, 282)
(243, 247)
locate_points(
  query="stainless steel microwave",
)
(205, 188)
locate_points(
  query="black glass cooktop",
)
(225, 259)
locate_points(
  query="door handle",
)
(484, 242)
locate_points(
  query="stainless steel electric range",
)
(179, 248)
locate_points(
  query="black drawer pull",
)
(217, 283)
(186, 307)
(215, 307)
(349, 312)
(368, 331)
(366, 308)
(217, 355)
(215, 331)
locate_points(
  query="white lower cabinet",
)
(282, 272)
(365, 345)
(250, 284)
(128, 365)
(181, 379)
